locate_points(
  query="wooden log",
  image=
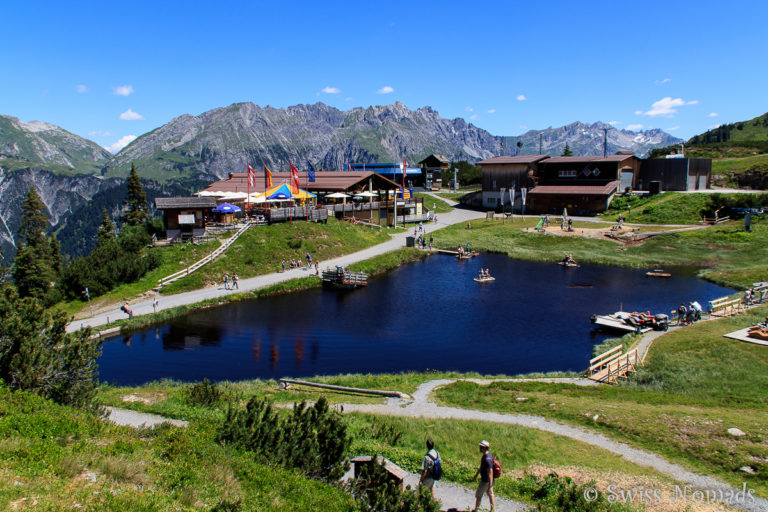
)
(377, 392)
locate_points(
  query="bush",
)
(375, 492)
(561, 494)
(204, 394)
(312, 439)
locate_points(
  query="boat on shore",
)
(485, 279)
(467, 255)
(569, 264)
(631, 322)
(658, 273)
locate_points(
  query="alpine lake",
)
(429, 315)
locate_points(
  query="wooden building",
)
(503, 172)
(433, 167)
(326, 182)
(185, 217)
(583, 184)
(682, 174)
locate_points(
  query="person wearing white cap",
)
(486, 476)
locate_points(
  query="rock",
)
(595, 417)
(747, 469)
(735, 432)
(521, 399)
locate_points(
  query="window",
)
(566, 173)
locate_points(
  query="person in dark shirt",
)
(486, 476)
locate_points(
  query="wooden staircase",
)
(612, 365)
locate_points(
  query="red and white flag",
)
(294, 178)
(251, 176)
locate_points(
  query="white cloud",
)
(120, 144)
(521, 97)
(665, 81)
(473, 116)
(523, 127)
(614, 123)
(123, 90)
(349, 98)
(634, 127)
(667, 107)
(469, 109)
(673, 128)
(713, 126)
(712, 114)
(331, 90)
(638, 112)
(385, 90)
(99, 133)
(81, 88)
(492, 111)
(130, 115)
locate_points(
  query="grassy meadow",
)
(694, 386)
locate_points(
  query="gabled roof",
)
(166, 203)
(324, 181)
(440, 158)
(591, 190)
(520, 159)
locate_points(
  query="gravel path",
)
(182, 299)
(422, 407)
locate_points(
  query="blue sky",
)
(110, 71)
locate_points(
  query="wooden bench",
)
(725, 306)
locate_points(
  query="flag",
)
(512, 196)
(251, 176)
(501, 194)
(349, 166)
(267, 176)
(523, 193)
(405, 166)
(310, 172)
(294, 177)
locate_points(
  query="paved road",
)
(183, 299)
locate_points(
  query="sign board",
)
(186, 219)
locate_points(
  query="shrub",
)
(312, 439)
(204, 394)
(375, 492)
(561, 494)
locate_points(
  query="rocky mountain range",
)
(68, 170)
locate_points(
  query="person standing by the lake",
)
(235, 279)
(309, 260)
(486, 476)
(427, 478)
(317, 268)
(283, 264)
(226, 280)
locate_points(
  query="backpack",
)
(496, 468)
(437, 468)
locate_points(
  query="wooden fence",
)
(612, 365)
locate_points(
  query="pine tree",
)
(37, 265)
(567, 151)
(136, 200)
(106, 228)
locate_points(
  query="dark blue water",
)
(427, 315)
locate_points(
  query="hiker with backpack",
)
(431, 468)
(486, 472)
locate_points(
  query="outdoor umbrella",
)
(337, 195)
(365, 194)
(227, 208)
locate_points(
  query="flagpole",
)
(248, 199)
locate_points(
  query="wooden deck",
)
(344, 278)
(612, 365)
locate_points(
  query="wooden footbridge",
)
(612, 365)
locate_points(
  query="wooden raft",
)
(612, 365)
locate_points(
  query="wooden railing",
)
(215, 254)
(725, 306)
(612, 365)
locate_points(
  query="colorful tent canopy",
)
(282, 193)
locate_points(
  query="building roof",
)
(520, 159)
(167, 203)
(436, 156)
(588, 159)
(331, 181)
(592, 190)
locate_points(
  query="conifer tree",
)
(37, 265)
(136, 200)
(567, 151)
(106, 228)
(33, 219)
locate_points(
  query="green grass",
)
(740, 165)
(694, 386)
(55, 453)
(433, 204)
(726, 254)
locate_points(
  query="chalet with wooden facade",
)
(433, 167)
(583, 184)
(185, 217)
(504, 172)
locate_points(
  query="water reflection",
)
(431, 314)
